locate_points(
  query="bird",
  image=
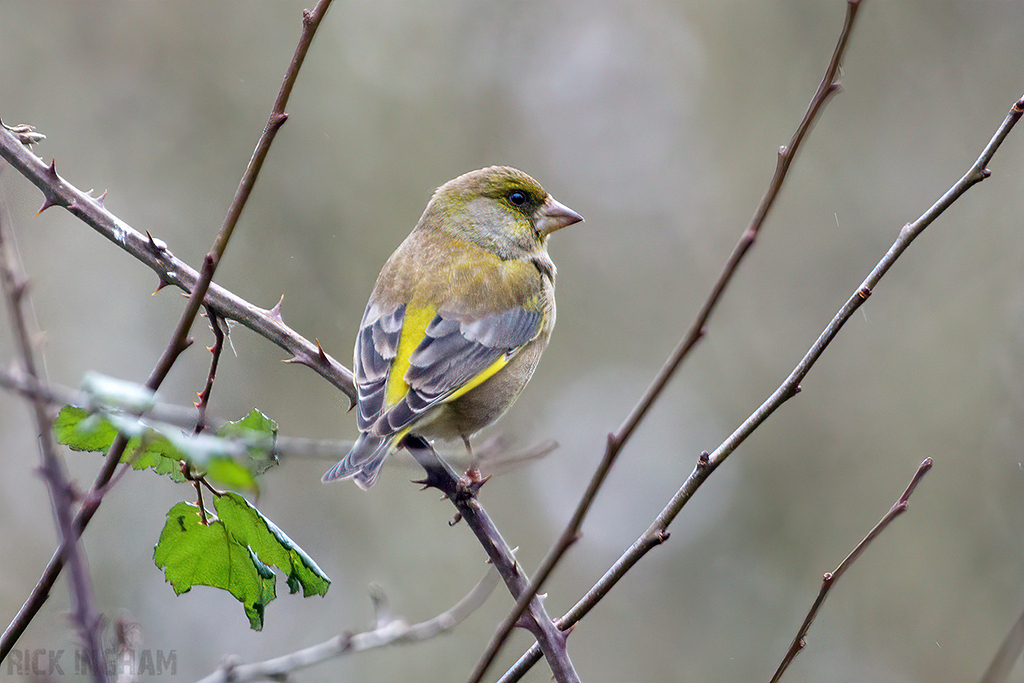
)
(457, 319)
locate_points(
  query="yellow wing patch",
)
(414, 328)
(502, 361)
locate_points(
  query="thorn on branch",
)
(300, 360)
(47, 203)
(157, 246)
(275, 312)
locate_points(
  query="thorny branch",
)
(462, 493)
(155, 254)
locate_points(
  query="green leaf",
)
(162, 447)
(158, 454)
(272, 545)
(195, 554)
(76, 429)
(234, 552)
(258, 430)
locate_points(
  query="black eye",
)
(517, 198)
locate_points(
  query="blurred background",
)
(660, 123)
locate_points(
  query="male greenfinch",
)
(458, 318)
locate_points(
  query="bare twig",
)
(616, 441)
(462, 494)
(389, 630)
(830, 578)
(707, 462)
(90, 624)
(56, 191)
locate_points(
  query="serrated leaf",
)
(157, 454)
(272, 545)
(195, 554)
(162, 447)
(234, 552)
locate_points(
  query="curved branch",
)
(389, 630)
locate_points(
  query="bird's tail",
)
(363, 462)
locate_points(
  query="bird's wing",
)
(376, 348)
(408, 361)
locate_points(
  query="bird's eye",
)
(517, 198)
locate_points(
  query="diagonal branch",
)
(90, 624)
(462, 494)
(1007, 655)
(91, 210)
(657, 533)
(831, 578)
(171, 270)
(616, 441)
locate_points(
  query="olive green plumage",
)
(459, 316)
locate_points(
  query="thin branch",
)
(90, 624)
(831, 578)
(462, 493)
(616, 441)
(389, 630)
(215, 351)
(154, 253)
(91, 210)
(657, 533)
(165, 414)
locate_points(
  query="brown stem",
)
(707, 462)
(462, 494)
(616, 441)
(82, 204)
(830, 578)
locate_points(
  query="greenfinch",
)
(458, 319)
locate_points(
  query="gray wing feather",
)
(376, 347)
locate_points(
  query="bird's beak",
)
(554, 215)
